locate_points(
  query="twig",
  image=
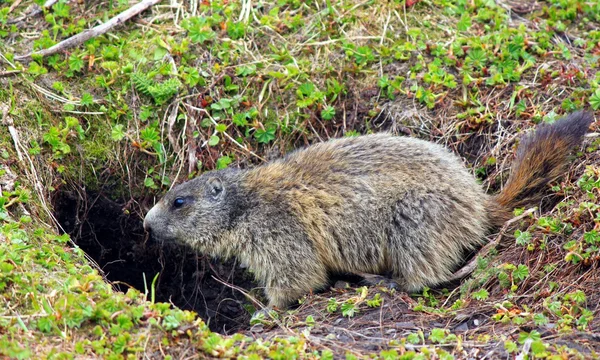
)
(9, 73)
(255, 301)
(82, 37)
(172, 116)
(469, 267)
(6, 120)
(14, 5)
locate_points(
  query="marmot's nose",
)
(148, 219)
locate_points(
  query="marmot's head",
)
(196, 212)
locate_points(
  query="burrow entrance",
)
(115, 239)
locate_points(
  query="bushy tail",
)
(541, 158)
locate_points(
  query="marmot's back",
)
(373, 159)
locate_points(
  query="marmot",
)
(374, 204)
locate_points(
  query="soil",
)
(116, 241)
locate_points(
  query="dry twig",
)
(84, 36)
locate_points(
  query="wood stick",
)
(6, 120)
(84, 36)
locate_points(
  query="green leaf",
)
(592, 237)
(120, 343)
(521, 272)
(349, 309)
(198, 29)
(150, 135)
(328, 113)
(482, 294)
(236, 30)
(577, 296)
(522, 237)
(306, 102)
(540, 319)
(264, 136)
(391, 354)
(44, 324)
(214, 140)
(306, 89)
(437, 335)
(240, 119)
(221, 128)
(413, 338)
(383, 82)
(332, 305)
(191, 76)
(117, 132)
(595, 100)
(75, 62)
(223, 162)
(87, 99)
(533, 335)
(464, 23)
(326, 355)
(510, 346)
(149, 182)
(61, 9)
(538, 347)
(246, 70)
(375, 302)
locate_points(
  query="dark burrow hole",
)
(115, 239)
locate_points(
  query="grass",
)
(190, 87)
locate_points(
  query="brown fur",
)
(374, 204)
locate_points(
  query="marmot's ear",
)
(215, 186)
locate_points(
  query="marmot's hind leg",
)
(378, 280)
(427, 238)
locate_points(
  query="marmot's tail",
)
(541, 158)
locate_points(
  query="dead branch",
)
(84, 36)
(471, 265)
(7, 120)
(9, 73)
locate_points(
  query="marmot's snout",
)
(149, 220)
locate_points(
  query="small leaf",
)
(413, 338)
(214, 140)
(75, 62)
(87, 99)
(265, 136)
(328, 113)
(595, 99)
(482, 294)
(223, 162)
(117, 132)
(521, 272)
(349, 309)
(437, 335)
(149, 182)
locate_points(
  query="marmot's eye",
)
(178, 203)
